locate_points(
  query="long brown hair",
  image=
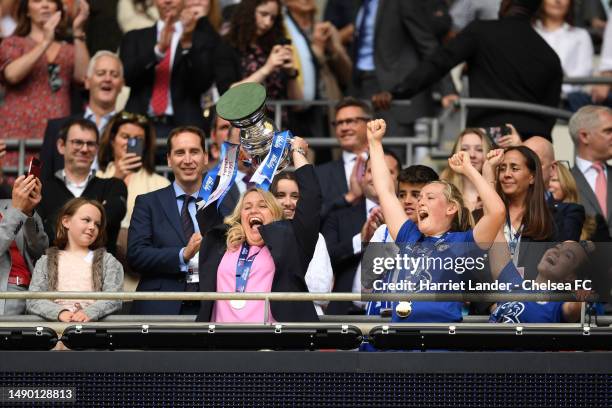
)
(24, 23)
(68, 210)
(243, 28)
(537, 219)
(105, 153)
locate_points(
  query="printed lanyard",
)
(513, 239)
(243, 267)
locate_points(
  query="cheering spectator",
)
(323, 61)
(338, 185)
(476, 143)
(319, 275)
(572, 44)
(255, 250)
(37, 69)
(22, 241)
(78, 143)
(77, 263)
(169, 66)
(127, 152)
(391, 39)
(256, 50)
(411, 181)
(443, 221)
(104, 81)
(347, 229)
(164, 237)
(517, 174)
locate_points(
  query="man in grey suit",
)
(22, 241)
(591, 130)
(391, 38)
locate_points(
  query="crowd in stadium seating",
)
(97, 216)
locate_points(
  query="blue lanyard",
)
(514, 238)
(243, 267)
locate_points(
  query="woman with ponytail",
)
(443, 229)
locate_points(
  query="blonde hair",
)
(235, 233)
(463, 220)
(448, 174)
(567, 184)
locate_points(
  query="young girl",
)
(77, 262)
(442, 220)
(475, 142)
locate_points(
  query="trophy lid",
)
(241, 101)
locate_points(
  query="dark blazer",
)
(50, 157)
(111, 193)
(155, 238)
(589, 200)
(338, 229)
(568, 219)
(291, 243)
(192, 71)
(333, 185)
(403, 37)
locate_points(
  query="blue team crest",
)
(509, 312)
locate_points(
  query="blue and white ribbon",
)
(226, 168)
(265, 172)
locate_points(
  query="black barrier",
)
(493, 338)
(276, 337)
(27, 338)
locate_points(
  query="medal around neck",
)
(403, 309)
(238, 303)
(268, 149)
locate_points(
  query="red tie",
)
(601, 188)
(159, 98)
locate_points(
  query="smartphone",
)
(34, 167)
(496, 132)
(285, 41)
(135, 145)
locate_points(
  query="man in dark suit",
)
(164, 237)
(391, 38)
(169, 65)
(104, 82)
(334, 177)
(507, 60)
(345, 229)
(591, 129)
(78, 144)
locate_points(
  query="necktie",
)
(601, 188)
(365, 6)
(248, 183)
(159, 97)
(186, 220)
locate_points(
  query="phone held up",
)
(497, 132)
(35, 167)
(135, 145)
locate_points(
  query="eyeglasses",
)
(349, 121)
(78, 144)
(55, 82)
(134, 117)
(564, 163)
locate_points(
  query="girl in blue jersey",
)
(562, 263)
(443, 227)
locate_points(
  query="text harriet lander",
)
(450, 286)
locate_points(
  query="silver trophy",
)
(244, 107)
